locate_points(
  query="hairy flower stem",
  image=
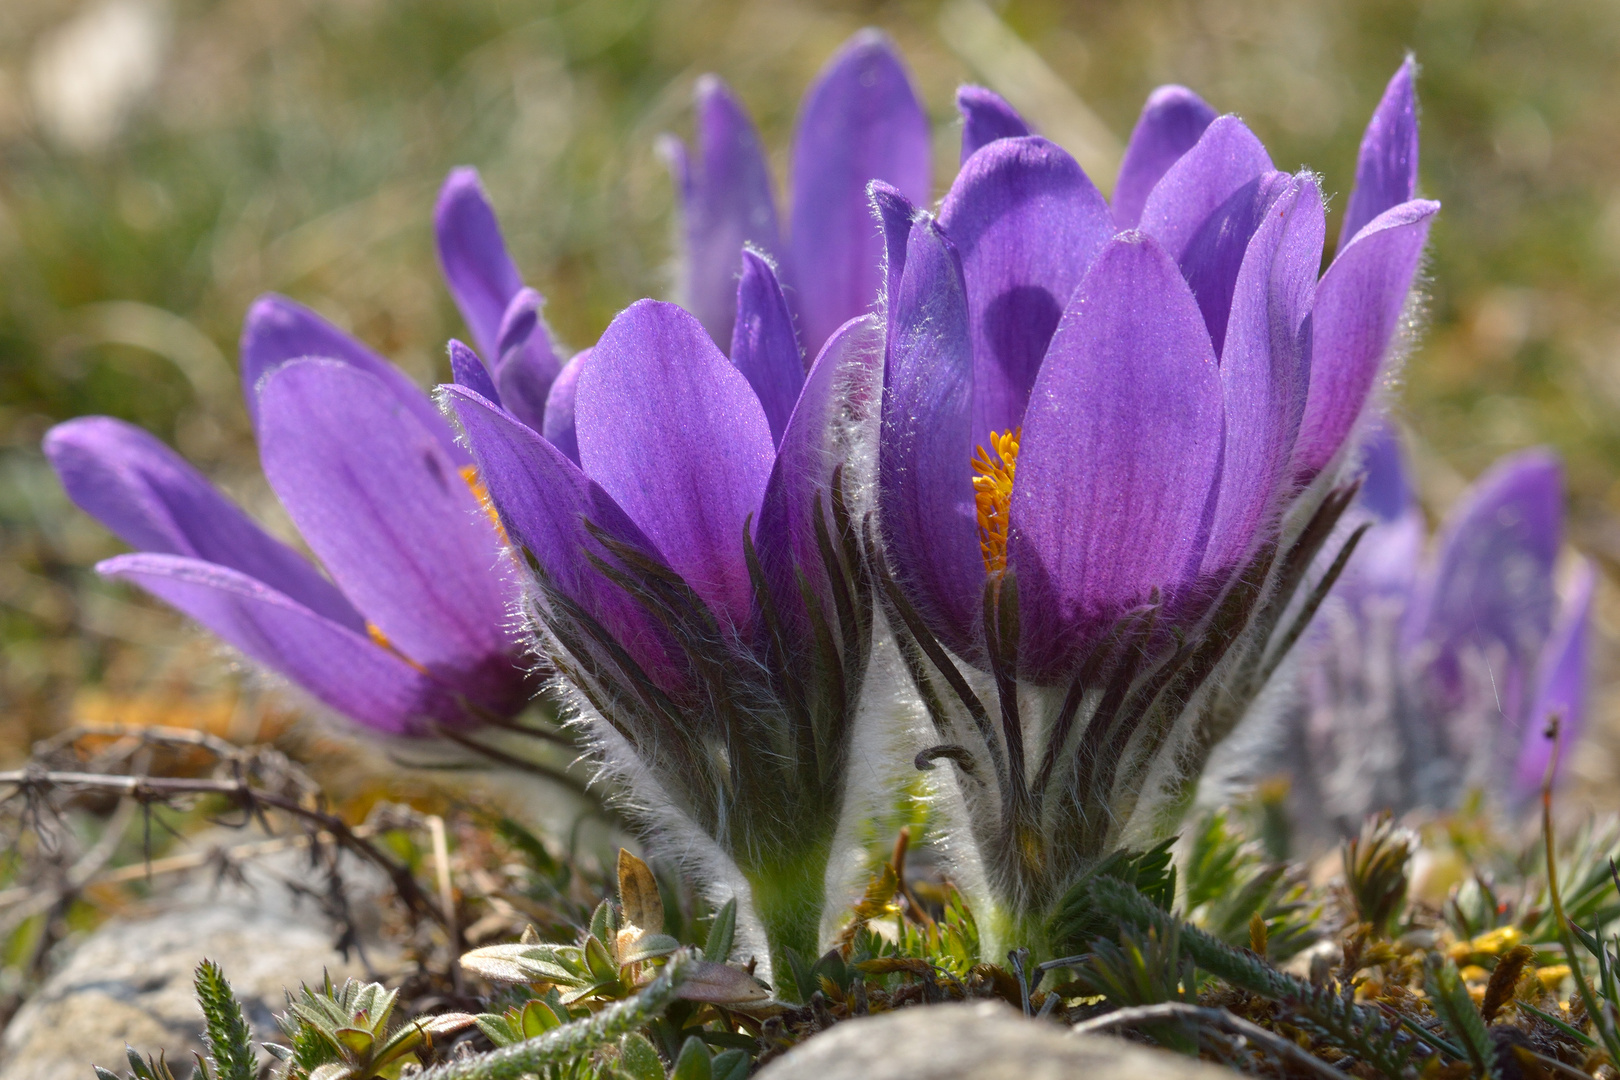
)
(1010, 928)
(788, 899)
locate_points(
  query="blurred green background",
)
(164, 161)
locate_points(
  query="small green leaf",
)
(498, 1029)
(799, 972)
(693, 1064)
(601, 964)
(604, 924)
(730, 1065)
(717, 949)
(520, 964)
(537, 1018)
(107, 1074)
(358, 1042)
(637, 1058)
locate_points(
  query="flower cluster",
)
(1075, 459)
(1425, 678)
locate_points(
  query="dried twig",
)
(33, 781)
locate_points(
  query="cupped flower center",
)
(992, 493)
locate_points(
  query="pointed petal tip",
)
(860, 120)
(1387, 163)
(466, 369)
(521, 317)
(986, 117)
(1176, 96)
(1172, 120)
(459, 183)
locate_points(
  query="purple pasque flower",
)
(698, 583)
(859, 121)
(409, 627)
(1427, 677)
(1110, 437)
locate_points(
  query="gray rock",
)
(981, 1041)
(130, 981)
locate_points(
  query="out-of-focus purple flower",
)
(1107, 457)
(1425, 678)
(410, 626)
(858, 122)
(698, 581)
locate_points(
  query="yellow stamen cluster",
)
(992, 492)
(469, 473)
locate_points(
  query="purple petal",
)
(544, 503)
(860, 122)
(1216, 252)
(1028, 224)
(277, 330)
(726, 201)
(1265, 372)
(525, 370)
(1386, 562)
(482, 277)
(519, 321)
(1120, 454)
(559, 426)
(1385, 489)
(1358, 309)
(1492, 588)
(336, 664)
(1561, 684)
(1387, 167)
(986, 117)
(837, 396)
(472, 253)
(672, 431)
(925, 449)
(763, 345)
(895, 215)
(156, 501)
(391, 517)
(1225, 159)
(525, 383)
(1171, 123)
(469, 371)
